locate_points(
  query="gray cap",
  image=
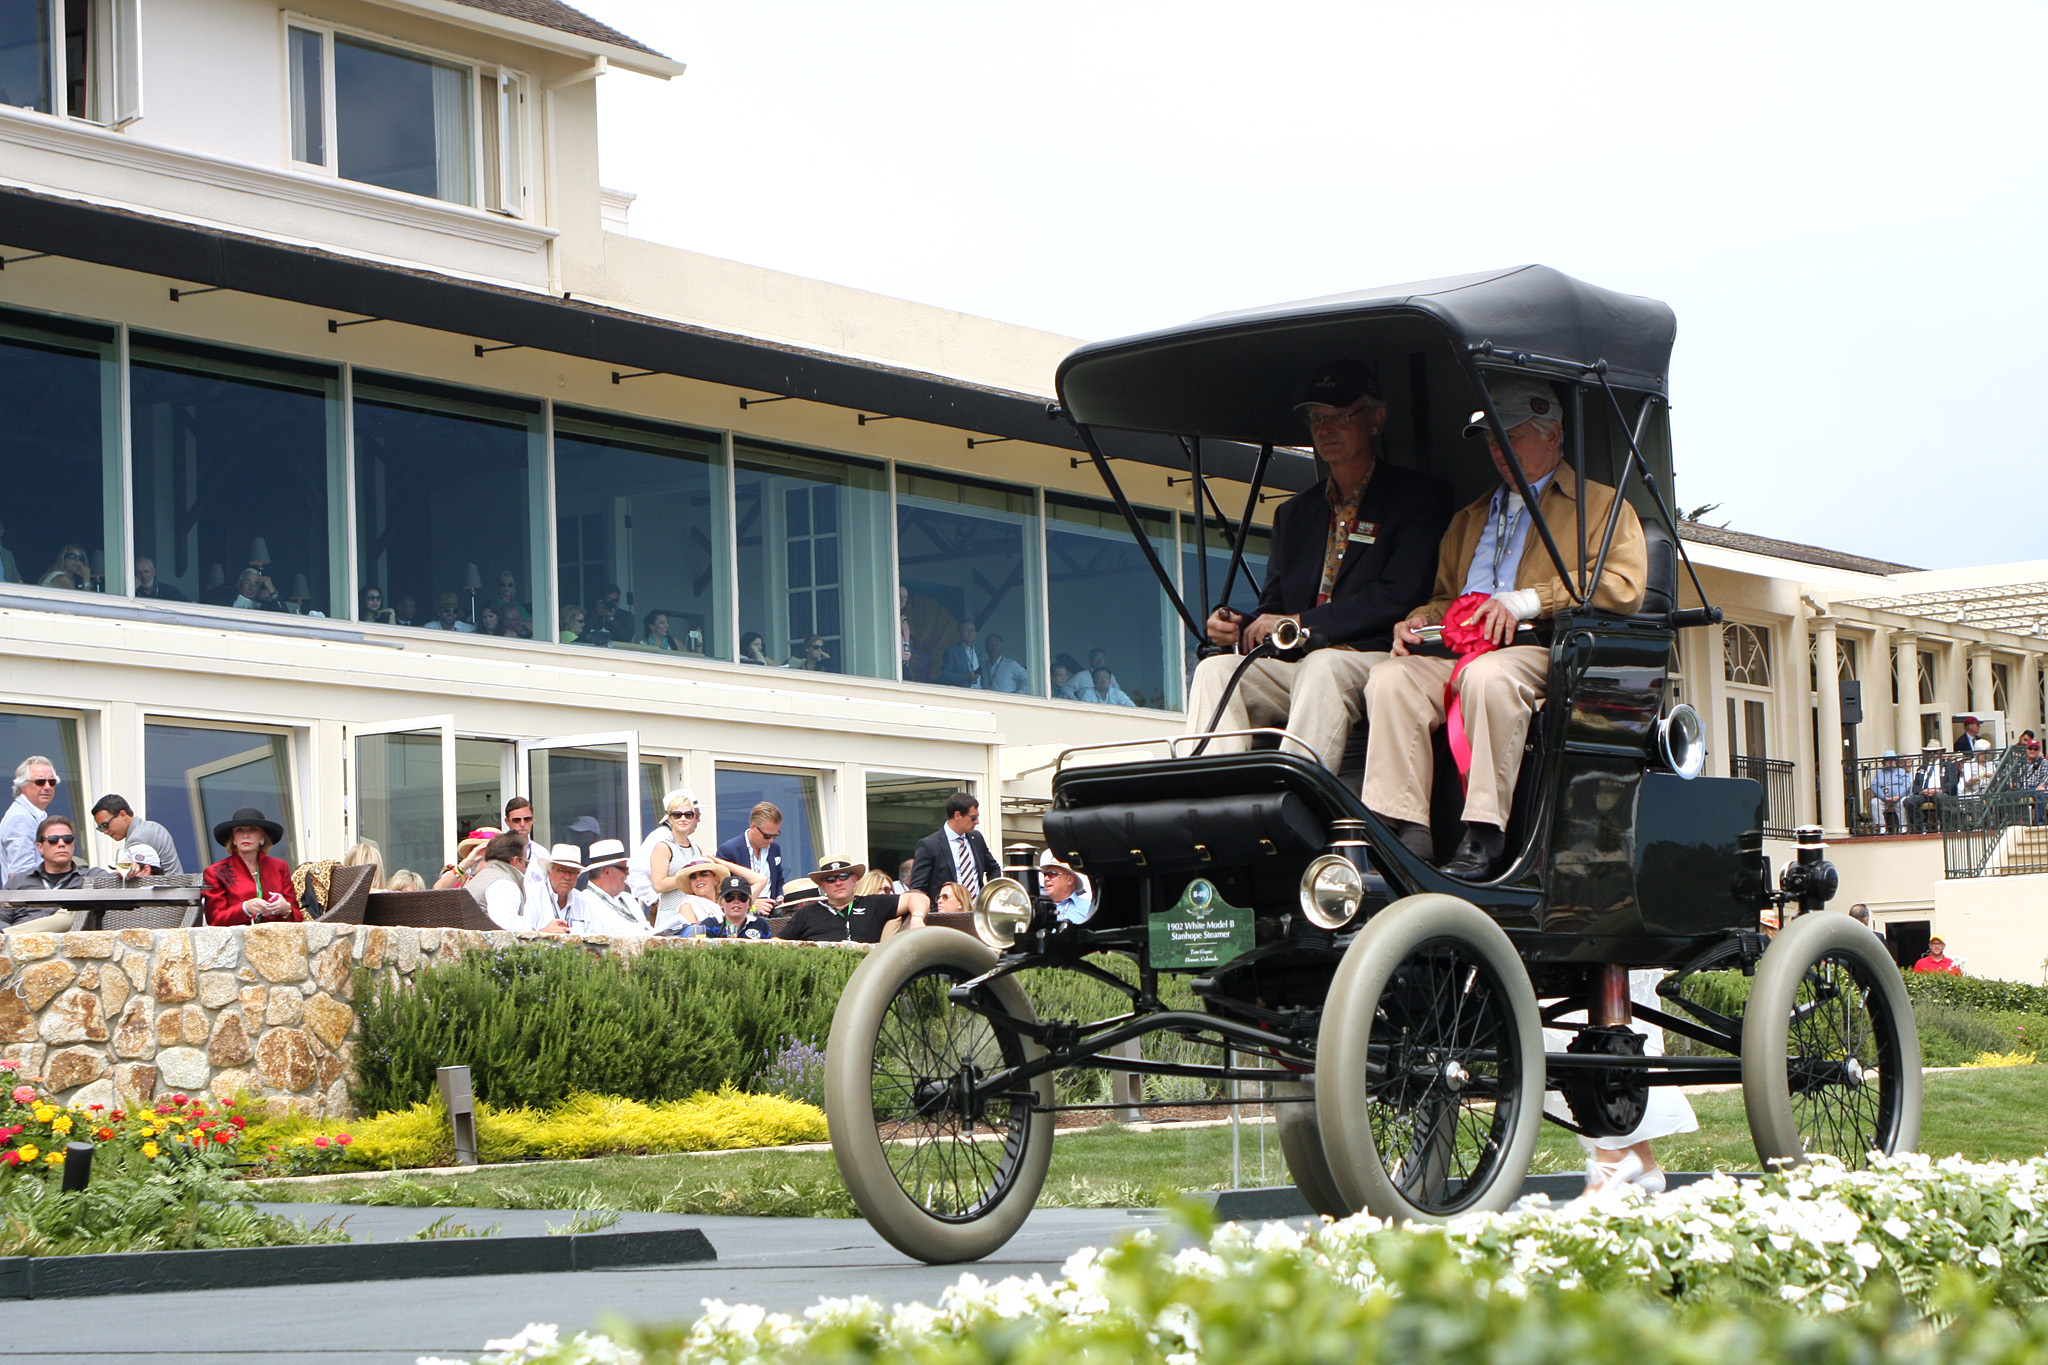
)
(1518, 400)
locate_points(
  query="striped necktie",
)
(970, 872)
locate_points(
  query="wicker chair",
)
(451, 909)
(114, 881)
(153, 917)
(348, 893)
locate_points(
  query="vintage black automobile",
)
(1394, 1014)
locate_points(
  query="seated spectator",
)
(147, 584)
(798, 892)
(488, 622)
(58, 870)
(875, 883)
(840, 915)
(604, 908)
(143, 861)
(574, 619)
(1002, 673)
(254, 591)
(656, 635)
(903, 871)
(515, 616)
(812, 657)
(35, 787)
(249, 886)
(735, 917)
(607, 624)
(406, 611)
(1098, 662)
(1105, 690)
(469, 859)
(374, 610)
(115, 818)
(1889, 787)
(754, 649)
(1975, 778)
(675, 837)
(2032, 779)
(1933, 790)
(1938, 960)
(961, 665)
(71, 569)
(447, 616)
(554, 897)
(365, 853)
(500, 887)
(405, 879)
(1065, 888)
(1063, 686)
(699, 879)
(954, 900)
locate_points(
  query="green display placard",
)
(1200, 930)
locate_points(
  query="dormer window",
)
(419, 122)
(75, 58)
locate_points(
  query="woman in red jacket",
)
(249, 886)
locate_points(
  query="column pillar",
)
(1796, 711)
(1828, 752)
(1878, 711)
(1906, 677)
(2026, 705)
(1980, 682)
(1711, 672)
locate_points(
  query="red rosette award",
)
(1465, 639)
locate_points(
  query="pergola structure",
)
(2021, 608)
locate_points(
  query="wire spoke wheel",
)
(943, 1166)
(1830, 1052)
(1429, 1066)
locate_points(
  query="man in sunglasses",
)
(56, 869)
(841, 915)
(35, 787)
(115, 818)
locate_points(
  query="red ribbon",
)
(1465, 639)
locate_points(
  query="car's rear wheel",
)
(1830, 1052)
(1429, 1071)
(943, 1169)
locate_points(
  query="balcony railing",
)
(1996, 836)
(1775, 775)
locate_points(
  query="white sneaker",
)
(1605, 1179)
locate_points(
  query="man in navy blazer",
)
(943, 855)
(757, 847)
(1350, 556)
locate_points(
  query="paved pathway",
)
(781, 1263)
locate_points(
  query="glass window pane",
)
(649, 507)
(1243, 594)
(402, 120)
(794, 794)
(198, 776)
(58, 389)
(398, 800)
(903, 808)
(235, 459)
(309, 97)
(25, 54)
(79, 54)
(479, 788)
(579, 796)
(788, 499)
(967, 559)
(1103, 597)
(443, 491)
(24, 736)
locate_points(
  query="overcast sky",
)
(1844, 204)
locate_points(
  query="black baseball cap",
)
(735, 886)
(1339, 384)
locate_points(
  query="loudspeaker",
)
(1852, 702)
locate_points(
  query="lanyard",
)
(1343, 517)
(1510, 508)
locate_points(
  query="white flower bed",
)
(1816, 1237)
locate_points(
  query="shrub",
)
(1952, 1035)
(1968, 992)
(796, 1071)
(536, 1023)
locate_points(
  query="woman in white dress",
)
(1626, 1159)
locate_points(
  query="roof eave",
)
(633, 59)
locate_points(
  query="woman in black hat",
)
(249, 886)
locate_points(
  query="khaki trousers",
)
(1499, 692)
(1318, 698)
(56, 922)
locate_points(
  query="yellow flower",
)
(44, 1113)
(62, 1125)
(54, 1159)
(149, 1132)
(29, 1152)
(149, 1149)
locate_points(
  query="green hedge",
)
(1970, 992)
(539, 1022)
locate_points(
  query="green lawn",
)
(1989, 1114)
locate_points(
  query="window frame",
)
(298, 742)
(113, 71)
(489, 162)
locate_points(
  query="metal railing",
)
(1775, 775)
(1915, 815)
(1996, 836)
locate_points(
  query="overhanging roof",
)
(549, 24)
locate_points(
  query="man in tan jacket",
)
(1490, 549)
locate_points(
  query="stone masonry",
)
(120, 1017)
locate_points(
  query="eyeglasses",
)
(101, 825)
(835, 878)
(41, 782)
(1329, 417)
(685, 814)
(59, 839)
(519, 819)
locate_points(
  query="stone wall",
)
(120, 1017)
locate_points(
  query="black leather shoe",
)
(1480, 854)
(1415, 838)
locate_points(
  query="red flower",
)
(223, 1137)
(10, 1158)
(343, 1138)
(273, 1148)
(95, 1108)
(177, 1099)
(120, 1114)
(319, 1142)
(239, 1121)
(103, 1134)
